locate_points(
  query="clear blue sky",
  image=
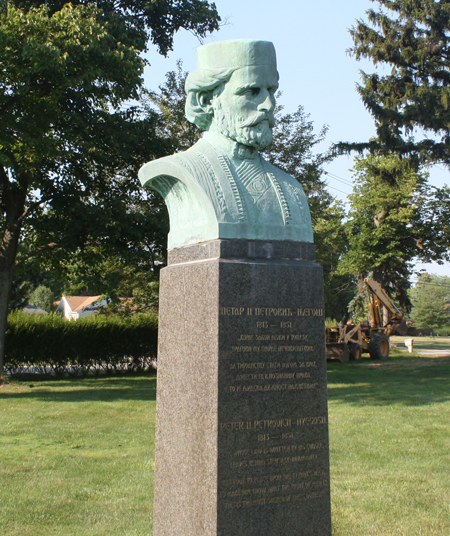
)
(311, 39)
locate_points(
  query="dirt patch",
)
(421, 361)
(433, 353)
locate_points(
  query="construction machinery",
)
(349, 341)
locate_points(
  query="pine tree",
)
(431, 301)
(411, 103)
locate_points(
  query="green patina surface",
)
(222, 187)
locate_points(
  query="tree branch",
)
(47, 247)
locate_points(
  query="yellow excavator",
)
(349, 341)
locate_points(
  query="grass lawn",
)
(77, 455)
(390, 446)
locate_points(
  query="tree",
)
(431, 301)
(410, 104)
(43, 298)
(393, 219)
(169, 102)
(67, 149)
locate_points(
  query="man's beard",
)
(255, 131)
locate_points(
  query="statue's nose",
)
(268, 102)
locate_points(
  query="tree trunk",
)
(6, 281)
(14, 203)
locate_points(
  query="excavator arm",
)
(397, 323)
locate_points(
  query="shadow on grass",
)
(411, 382)
(107, 389)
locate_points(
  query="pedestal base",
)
(242, 433)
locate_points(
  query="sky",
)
(311, 39)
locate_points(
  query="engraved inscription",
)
(272, 311)
(273, 460)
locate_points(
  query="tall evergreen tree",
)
(410, 104)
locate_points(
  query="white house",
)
(74, 307)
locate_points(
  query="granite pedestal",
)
(242, 428)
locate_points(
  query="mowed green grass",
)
(77, 456)
(390, 447)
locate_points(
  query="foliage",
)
(90, 343)
(411, 102)
(134, 22)
(43, 298)
(170, 101)
(331, 242)
(69, 151)
(28, 276)
(331, 322)
(394, 218)
(431, 301)
(358, 307)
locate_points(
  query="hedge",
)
(49, 343)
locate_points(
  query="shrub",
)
(444, 331)
(49, 343)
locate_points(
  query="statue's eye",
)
(255, 91)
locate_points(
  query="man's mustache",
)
(257, 118)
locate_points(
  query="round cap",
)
(236, 53)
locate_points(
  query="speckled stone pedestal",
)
(242, 431)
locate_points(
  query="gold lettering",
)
(245, 377)
(272, 423)
(301, 386)
(232, 426)
(278, 337)
(298, 337)
(273, 311)
(311, 420)
(251, 365)
(263, 337)
(232, 311)
(309, 311)
(241, 348)
(245, 338)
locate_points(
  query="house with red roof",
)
(74, 307)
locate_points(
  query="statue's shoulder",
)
(188, 165)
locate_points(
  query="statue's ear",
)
(205, 101)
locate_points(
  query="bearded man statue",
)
(222, 188)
